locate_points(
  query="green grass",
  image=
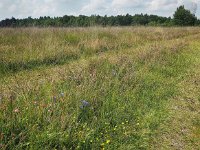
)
(127, 75)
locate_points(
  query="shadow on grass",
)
(14, 67)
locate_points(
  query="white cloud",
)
(94, 6)
(128, 3)
(1, 5)
(192, 5)
(36, 8)
(12, 8)
(162, 4)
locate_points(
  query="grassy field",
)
(100, 88)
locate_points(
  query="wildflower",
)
(107, 141)
(102, 144)
(138, 124)
(84, 104)
(122, 123)
(62, 94)
(16, 110)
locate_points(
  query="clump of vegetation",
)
(60, 88)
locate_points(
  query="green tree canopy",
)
(184, 17)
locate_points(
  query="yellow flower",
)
(107, 141)
(122, 122)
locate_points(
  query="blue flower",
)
(84, 104)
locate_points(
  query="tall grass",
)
(88, 88)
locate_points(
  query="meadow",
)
(100, 88)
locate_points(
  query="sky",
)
(37, 8)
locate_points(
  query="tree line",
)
(181, 17)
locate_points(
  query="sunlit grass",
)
(89, 88)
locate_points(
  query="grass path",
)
(182, 130)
